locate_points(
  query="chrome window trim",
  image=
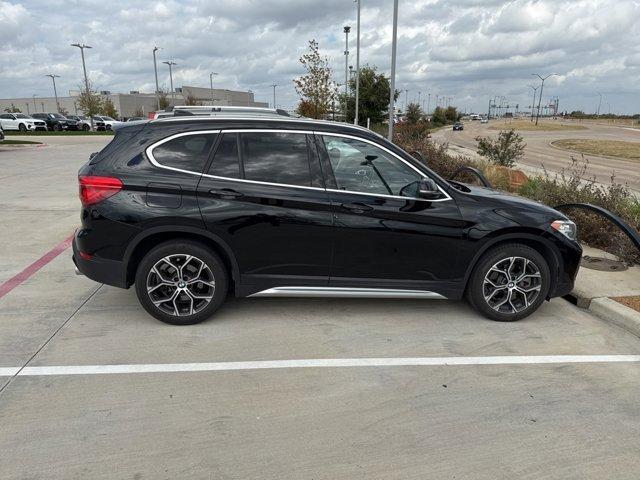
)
(152, 159)
(419, 172)
(149, 153)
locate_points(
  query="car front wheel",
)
(181, 282)
(509, 282)
(22, 127)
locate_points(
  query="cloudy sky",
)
(469, 50)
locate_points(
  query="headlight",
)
(566, 227)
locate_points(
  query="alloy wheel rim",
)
(512, 285)
(180, 285)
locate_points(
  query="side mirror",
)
(429, 189)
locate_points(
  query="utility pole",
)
(355, 119)
(392, 90)
(541, 88)
(347, 29)
(86, 80)
(171, 63)
(155, 70)
(211, 85)
(533, 103)
(55, 91)
(599, 104)
(274, 96)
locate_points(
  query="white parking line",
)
(312, 363)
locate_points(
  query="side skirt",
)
(346, 292)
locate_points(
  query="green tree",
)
(12, 109)
(504, 150)
(316, 87)
(374, 96)
(90, 103)
(163, 98)
(108, 108)
(414, 113)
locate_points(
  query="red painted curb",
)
(28, 272)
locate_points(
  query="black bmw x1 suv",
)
(190, 209)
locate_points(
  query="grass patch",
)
(527, 125)
(20, 142)
(55, 134)
(605, 148)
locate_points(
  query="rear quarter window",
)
(186, 152)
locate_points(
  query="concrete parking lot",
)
(140, 399)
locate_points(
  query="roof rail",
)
(186, 110)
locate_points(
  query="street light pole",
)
(406, 99)
(274, 94)
(171, 63)
(86, 80)
(392, 89)
(347, 29)
(155, 71)
(599, 104)
(35, 109)
(55, 91)
(428, 103)
(355, 119)
(419, 95)
(211, 85)
(541, 88)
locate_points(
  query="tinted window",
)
(6, 117)
(362, 167)
(276, 158)
(188, 152)
(225, 162)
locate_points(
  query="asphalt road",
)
(522, 420)
(539, 153)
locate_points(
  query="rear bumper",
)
(110, 272)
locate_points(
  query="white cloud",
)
(469, 50)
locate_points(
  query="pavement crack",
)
(62, 325)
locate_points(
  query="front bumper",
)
(110, 272)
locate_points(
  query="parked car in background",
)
(21, 122)
(108, 121)
(57, 122)
(1, 134)
(484, 120)
(458, 126)
(135, 119)
(85, 124)
(189, 209)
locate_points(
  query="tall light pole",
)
(541, 88)
(82, 46)
(355, 119)
(55, 91)
(533, 103)
(428, 102)
(347, 29)
(211, 85)
(249, 92)
(35, 109)
(392, 89)
(599, 104)
(171, 64)
(406, 99)
(155, 70)
(274, 94)
(419, 94)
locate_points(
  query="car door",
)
(386, 235)
(264, 196)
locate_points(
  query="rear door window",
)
(276, 157)
(226, 162)
(184, 153)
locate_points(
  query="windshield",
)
(108, 119)
(56, 115)
(22, 115)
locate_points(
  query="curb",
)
(613, 312)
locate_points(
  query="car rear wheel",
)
(57, 127)
(509, 283)
(85, 127)
(181, 282)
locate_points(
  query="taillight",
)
(94, 189)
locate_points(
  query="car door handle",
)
(357, 207)
(226, 193)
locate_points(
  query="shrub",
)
(504, 150)
(573, 185)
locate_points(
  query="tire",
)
(158, 272)
(22, 127)
(56, 127)
(85, 127)
(506, 299)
